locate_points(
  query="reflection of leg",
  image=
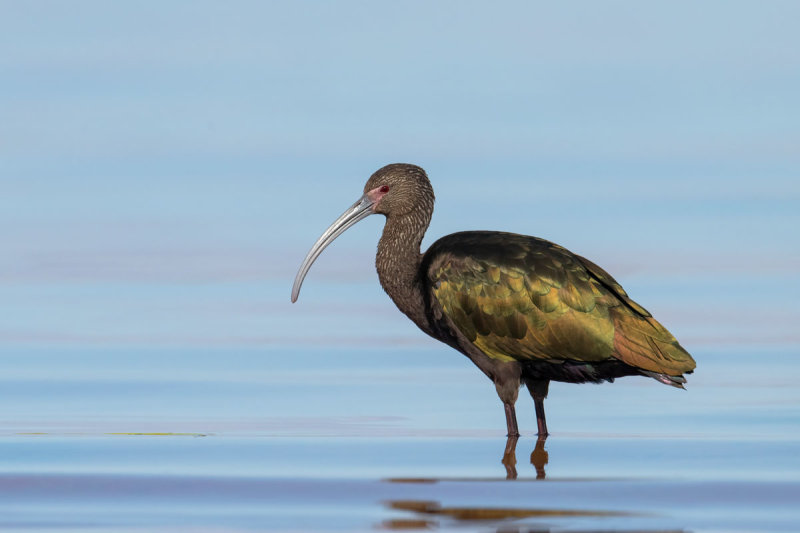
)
(539, 457)
(538, 390)
(511, 420)
(510, 457)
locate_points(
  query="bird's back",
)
(520, 298)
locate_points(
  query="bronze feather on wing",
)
(541, 302)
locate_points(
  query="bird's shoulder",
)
(474, 250)
(491, 258)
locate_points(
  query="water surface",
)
(254, 440)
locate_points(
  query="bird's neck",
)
(398, 261)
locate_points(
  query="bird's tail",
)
(666, 379)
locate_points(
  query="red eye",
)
(384, 189)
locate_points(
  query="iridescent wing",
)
(524, 299)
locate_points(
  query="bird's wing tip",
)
(676, 381)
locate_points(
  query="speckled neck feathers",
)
(399, 258)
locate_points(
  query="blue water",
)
(322, 439)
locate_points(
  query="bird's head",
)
(399, 189)
(396, 190)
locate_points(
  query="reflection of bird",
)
(523, 309)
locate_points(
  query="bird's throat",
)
(398, 261)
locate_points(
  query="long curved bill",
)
(356, 212)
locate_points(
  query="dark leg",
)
(511, 420)
(541, 423)
(506, 377)
(538, 390)
(510, 458)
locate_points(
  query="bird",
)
(524, 310)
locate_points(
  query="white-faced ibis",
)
(523, 309)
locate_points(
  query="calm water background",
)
(164, 167)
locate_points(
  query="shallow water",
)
(408, 438)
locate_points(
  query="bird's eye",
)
(384, 189)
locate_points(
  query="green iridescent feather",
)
(520, 298)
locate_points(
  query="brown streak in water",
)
(400, 524)
(491, 513)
